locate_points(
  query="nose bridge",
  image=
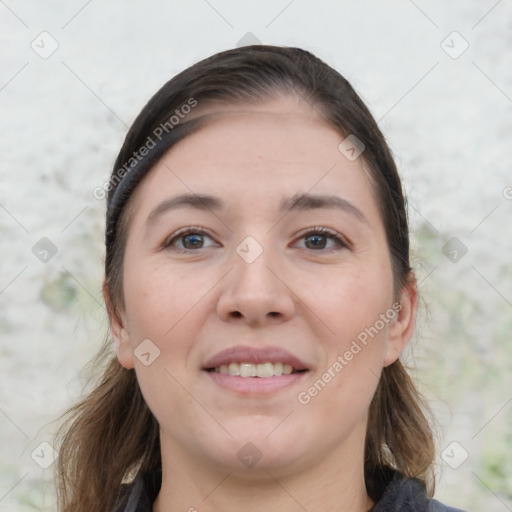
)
(251, 272)
(253, 289)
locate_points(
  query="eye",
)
(192, 239)
(321, 238)
(189, 239)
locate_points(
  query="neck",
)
(335, 483)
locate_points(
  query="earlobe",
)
(120, 333)
(401, 328)
(123, 348)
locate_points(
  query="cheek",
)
(356, 306)
(349, 301)
(346, 382)
(168, 307)
(161, 298)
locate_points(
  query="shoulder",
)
(436, 506)
(400, 494)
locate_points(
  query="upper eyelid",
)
(319, 229)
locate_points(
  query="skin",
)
(311, 301)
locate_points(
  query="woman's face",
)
(257, 241)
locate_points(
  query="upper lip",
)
(254, 355)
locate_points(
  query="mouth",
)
(249, 370)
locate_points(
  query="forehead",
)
(286, 129)
(278, 148)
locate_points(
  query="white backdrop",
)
(436, 75)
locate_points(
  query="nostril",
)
(236, 314)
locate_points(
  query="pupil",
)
(317, 241)
(192, 241)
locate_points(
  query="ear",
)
(401, 327)
(120, 332)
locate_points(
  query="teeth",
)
(262, 370)
(234, 369)
(247, 370)
(265, 370)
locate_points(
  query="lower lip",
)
(255, 385)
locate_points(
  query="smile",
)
(250, 370)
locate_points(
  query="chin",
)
(259, 451)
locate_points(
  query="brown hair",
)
(111, 436)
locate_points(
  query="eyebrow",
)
(298, 202)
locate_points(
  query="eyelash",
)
(319, 230)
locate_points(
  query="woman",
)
(259, 292)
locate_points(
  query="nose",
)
(256, 293)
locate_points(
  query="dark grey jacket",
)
(396, 494)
